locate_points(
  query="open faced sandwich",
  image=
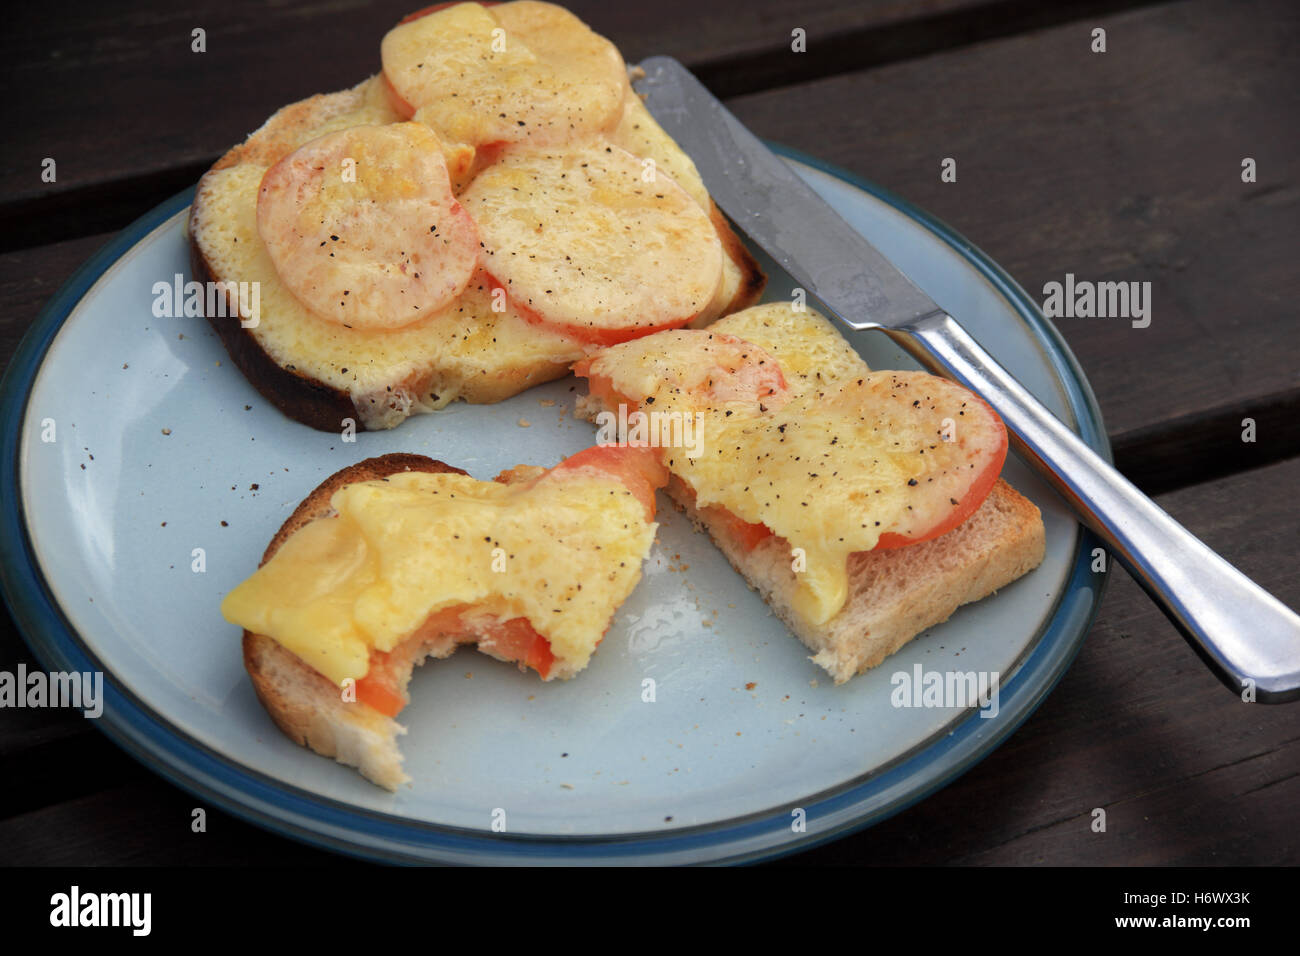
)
(865, 506)
(401, 559)
(493, 206)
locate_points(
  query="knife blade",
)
(1249, 638)
(769, 201)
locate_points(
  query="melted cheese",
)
(821, 472)
(563, 552)
(841, 457)
(469, 350)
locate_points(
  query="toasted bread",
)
(896, 593)
(307, 675)
(304, 703)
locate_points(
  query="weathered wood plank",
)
(1187, 773)
(131, 114)
(1123, 166)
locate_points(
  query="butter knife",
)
(1249, 638)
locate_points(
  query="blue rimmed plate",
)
(161, 448)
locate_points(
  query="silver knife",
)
(1247, 636)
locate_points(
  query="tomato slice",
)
(380, 688)
(402, 108)
(518, 640)
(712, 367)
(514, 639)
(749, 535)
(582, 333)
(969, 503)
(637, 467)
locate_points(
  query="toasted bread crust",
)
(302, 702)
(302, 398)
(894, 595)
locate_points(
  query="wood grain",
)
(131, 114)
(1187, 773)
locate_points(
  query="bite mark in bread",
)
(302, 702)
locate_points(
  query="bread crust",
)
(305, 704)
(897, 594)
(302, 398)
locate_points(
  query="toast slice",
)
(305, 704)
(894, 594)
(324, 374)
(298, 675)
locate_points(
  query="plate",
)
(700, 732)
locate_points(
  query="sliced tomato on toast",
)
(507, 639)
(942, 445)
(512, 72)
(594, 241)
(362, 226)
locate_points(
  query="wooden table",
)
(1124, 165)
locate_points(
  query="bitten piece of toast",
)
(305, 704)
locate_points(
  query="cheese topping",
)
(829, 474)
(507, 73)
(825, 453)
(564, 552)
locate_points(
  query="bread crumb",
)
(525, 423)
(546, 402)
(751, 685)
(166, 431)
(813, 682)
(567, 786)
(469, 675)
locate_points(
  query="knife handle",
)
(1246, 636)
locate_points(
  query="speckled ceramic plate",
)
(162, 447)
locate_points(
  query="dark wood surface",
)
(1118, 166)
